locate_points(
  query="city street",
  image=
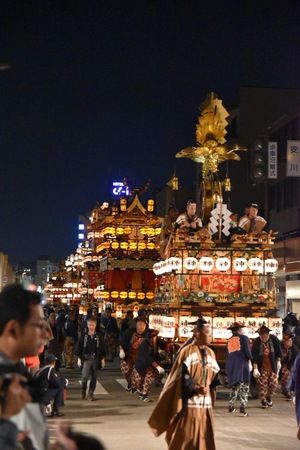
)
(119, 418)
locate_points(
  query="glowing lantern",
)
(141, 295)
(150, 246)
(132, 245)
(149, 295)
(175, 263)
(124, 245)
(255, 264)
(150, 231)
(155, 268)
(240, 264)
(115, 245)
(123, 294)
(132, 295)
(114, 294)
(120, 230)
(127, 230)
(190, 263)
(271, 265)
(141, 246)
(223, 264)
(206, 263)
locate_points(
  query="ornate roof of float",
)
(135, 215)
(137, 212)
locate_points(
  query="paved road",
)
(119, 419)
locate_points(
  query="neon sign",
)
(119, 188)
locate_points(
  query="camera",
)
(37, 388)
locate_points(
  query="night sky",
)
(101, 90)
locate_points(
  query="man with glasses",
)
(22, 333)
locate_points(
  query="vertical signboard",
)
(293, 159)
(272, 160)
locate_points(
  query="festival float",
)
(216, 272)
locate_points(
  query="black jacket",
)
(126, 340)
(81, 348)
(275, 352)
(147, 355)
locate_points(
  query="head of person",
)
(95, 310)
(129, 314)
(52, 318)
(236, 328)
(264, 333)
(202, 332)
(141, 325)
(22, 325)
(173, 212)
(50, 359)
(108, 312)
(288, 339)
(288, 342)
(252, 209)
(71, 315)
(91, 324)
(191, 207)
(151, 334)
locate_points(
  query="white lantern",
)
(271, 265)
(163, 267)
(223, 264)
(190, 263)
(168, 267)
(240, 264)
(206, 263)
(255, 264)
(175, 264)
(156, 268)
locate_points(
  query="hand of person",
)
(160, 370)
(79, 363)
(202, 390)
(278, 366)
(256, 373)
(16, 397)
(122, 354)
(102, 363)
(250, 366)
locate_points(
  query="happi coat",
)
(187, 417)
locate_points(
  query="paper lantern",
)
(240, 264)
(175, 263)
(255, 264)
(190, 263)
(223, 264)
(271, 265)
(206, 263)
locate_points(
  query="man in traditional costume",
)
(185, 407)
(239, 367)
(251, 222)
(189, 221)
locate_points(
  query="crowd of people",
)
(189, 393)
